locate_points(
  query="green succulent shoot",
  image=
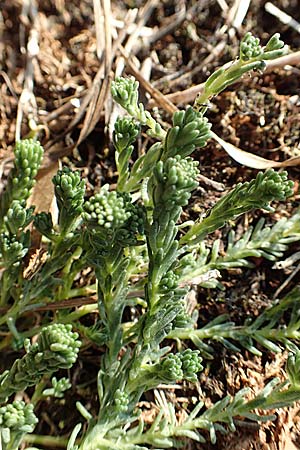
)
(58, 387)
(251, 57)
(125, 133)
(69, 192)
(257, 193)
(125, 92)
(190, 130)
(132, 242)
(56, 348)
(16, 420)
(28, 157)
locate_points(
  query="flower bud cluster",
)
(59, 344)
(180, 366)
(121, 400)
(115, 213)
(56, 348)
(169, 282)
(250, 47)
(28, 157)
(191, 364)
(12, 249)
(17, 416)
(69, 189)
(125, 133)
(176, 178)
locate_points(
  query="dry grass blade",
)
(223, 5)
(76, 302)
(43, 193)
(102, 80)
(292, 59)
(173, 22)
(182, 97)
(282, 16)
(251, 160)
(133, 43)
(95, 108)
(159, 98)
(27, 101)
(238, 12)
(100, 38)
(108, 37)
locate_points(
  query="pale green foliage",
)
(125, 92)
(131, 240)
(28, 156)
(254, 194)
(16, 419)
(250, 48)
(125, 134)
(190, 130)
(174, 180)
(56, 348)
(17, 217)
(252, 57)
(69, 192)
(260, 241)
(265, 331)
(58, 387)
(17, 416)
(12, 250)
(293, 369)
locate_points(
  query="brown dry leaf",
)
(251, 160)
(95, 107)
(43, 193)
(42, 196)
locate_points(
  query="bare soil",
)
(55, 70)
